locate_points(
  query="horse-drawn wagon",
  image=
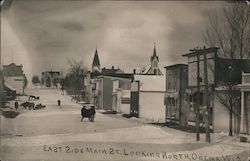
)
(88, 111)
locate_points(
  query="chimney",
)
(113, 67)
(134, 71)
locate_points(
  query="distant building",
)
(14, 78)
(110, 90)
(154, 69)
(176, 85)
(50, 78)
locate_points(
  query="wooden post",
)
(206, 100)
(198, 98)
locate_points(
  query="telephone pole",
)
(198, 98)
(206, 99)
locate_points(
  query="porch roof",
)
(244, 86)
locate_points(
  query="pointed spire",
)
(96, 61)
(154, 53)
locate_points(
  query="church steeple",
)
(96, 66)
(154, 69)
(154, 54)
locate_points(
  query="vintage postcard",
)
(124, 80)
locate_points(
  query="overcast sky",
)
(43, 34)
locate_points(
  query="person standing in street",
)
(59, 102)
(16, 105)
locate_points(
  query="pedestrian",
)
(83, 112)
(59, 102)
(16, 105)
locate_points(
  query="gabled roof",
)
(96, 61)
(152, 72)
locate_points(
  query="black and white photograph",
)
(125, 80)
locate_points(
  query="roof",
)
(152, 72)
(176, 66)
(96, 61)
(121, 75)
(13, 70)
(154, 83)
(198, 51)
(51, 72)
(95, 74)
(111, 71)
(146, 69)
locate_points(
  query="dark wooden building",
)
(221, 72)
(176, 84)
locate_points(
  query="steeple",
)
(154, 54)
(154, 69)
(96, 62)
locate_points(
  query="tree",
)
(35, 80)
(74, 80)
(230, 31)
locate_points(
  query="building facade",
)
(111, 89)
(150, 97)
(220, 73)
(175, 100)
(14, 78)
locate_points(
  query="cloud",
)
(124, 31)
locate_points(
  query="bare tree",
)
(229, 29)
(74, 80)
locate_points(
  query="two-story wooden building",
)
(220, 73)
(176, 84)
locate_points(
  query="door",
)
(134, 104)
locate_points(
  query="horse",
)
(31, 105)
(90, 113)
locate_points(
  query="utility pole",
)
(230, 101)
(206, 98)
(198, 98)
